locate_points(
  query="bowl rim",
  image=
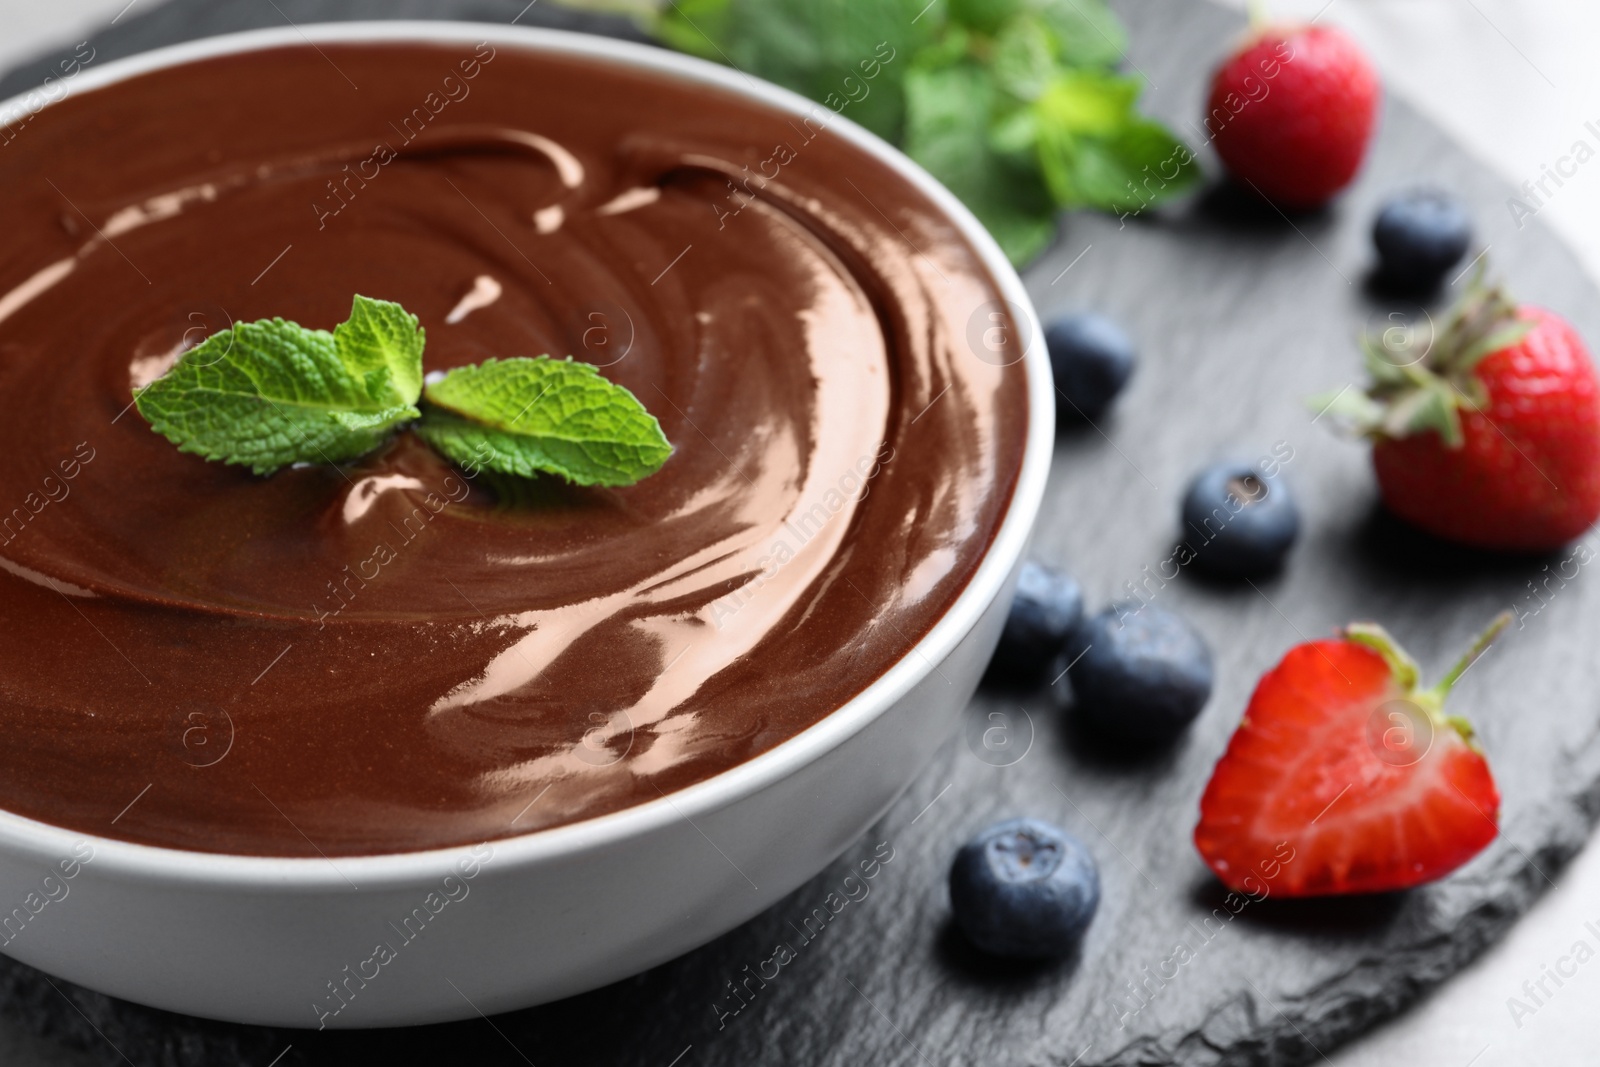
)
(130, 860)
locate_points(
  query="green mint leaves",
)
(828, 50)
(948, 133)
(531, 415)
(1017, 106)
(270, 393)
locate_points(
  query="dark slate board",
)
(1239, 313)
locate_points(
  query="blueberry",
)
(1239, 521)
(1420, 234)
(1047, 606)
(1024, 889)
(1138, 673)
(1091, 359)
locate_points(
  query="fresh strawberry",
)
(1486, 431)
(1291, 113)
(1344, 777)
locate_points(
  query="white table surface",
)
(1515, 82)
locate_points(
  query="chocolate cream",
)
(391, 654)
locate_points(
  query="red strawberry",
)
(1344, 777)
(1291, 113)
(1487, 431)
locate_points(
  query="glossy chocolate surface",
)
(391, 655)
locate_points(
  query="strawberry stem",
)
(1478, 648)
(1401, 665)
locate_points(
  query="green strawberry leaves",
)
(1016, 105)
(271, 393)
(1422, 377)
(522, 416)
(1503, 336)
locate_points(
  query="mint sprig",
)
(521, 416)
(271, 393)
(1018, 106)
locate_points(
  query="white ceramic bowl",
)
(549, 914)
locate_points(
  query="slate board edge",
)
(1285, 1026)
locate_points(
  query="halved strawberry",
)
(1345, 777)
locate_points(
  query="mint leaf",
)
(269, 393)
(947, 131)
(522, 416)
(1087, 32)
(985, 16)
(698, 27)
(1025, 56)
(849, 55)
(1095, 150)
(383, 344)
(1088, 102)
